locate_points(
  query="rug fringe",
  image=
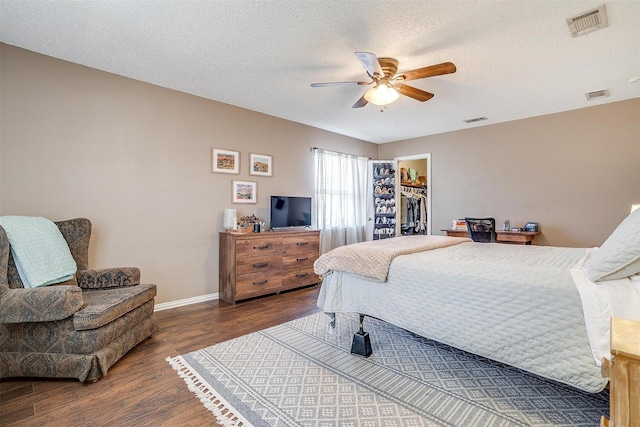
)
(224, 413)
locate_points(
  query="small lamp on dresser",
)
(229, 219)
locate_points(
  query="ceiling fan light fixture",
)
(387, 86)
(382, 94)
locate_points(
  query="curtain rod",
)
(334, 151)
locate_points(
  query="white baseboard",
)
(186, 301)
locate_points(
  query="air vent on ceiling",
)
(477, 119)
(597, 94)
(588, 21)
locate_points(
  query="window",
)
(340, 198)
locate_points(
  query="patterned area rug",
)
(302, 373)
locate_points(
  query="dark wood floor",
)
(142, 389)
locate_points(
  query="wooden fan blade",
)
(413, 92)
(339, 84)
(371, 64)
(433, 70)
(360, 103)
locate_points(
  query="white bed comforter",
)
(514, 304)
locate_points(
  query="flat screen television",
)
(287, 211)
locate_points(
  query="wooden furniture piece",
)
(456, 233)
(624, 374)
(518, 237)
(255, 264)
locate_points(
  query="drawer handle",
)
(302, 275)
(260, 265)
(302, 259)
(302, 243)
(261, 247)
(260, 283)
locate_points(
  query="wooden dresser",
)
(624, 374)
(255, 264)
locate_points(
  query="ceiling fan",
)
(387, 81)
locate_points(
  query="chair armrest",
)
(108, 278)
(44, 304)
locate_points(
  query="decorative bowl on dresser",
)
(256, 264)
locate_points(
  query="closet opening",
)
(399, 197)
(414, 194)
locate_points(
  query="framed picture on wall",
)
(260, 164)
(225, 161)
(244, 192)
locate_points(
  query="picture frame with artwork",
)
(225, 161)
(260, 164)
(244, 192)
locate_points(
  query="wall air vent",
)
(477, 119)
(597, 94)
(588, 21)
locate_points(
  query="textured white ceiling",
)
(515, 59)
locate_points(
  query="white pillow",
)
(619, 255)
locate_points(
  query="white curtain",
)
(341, 200)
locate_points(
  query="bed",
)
(542, 309)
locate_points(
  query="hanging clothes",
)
(413, 204)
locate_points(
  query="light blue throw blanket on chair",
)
(39, 250)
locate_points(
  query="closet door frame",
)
(427, 157)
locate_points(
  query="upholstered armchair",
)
(76, 329)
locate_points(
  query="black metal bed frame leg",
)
(361, 341)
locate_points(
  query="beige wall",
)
(576, 173)
(135, 159)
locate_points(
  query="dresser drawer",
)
(259, 264)
(249, 285)
(293, 245)
(299, 278)
(303, 260)
(262, 246)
